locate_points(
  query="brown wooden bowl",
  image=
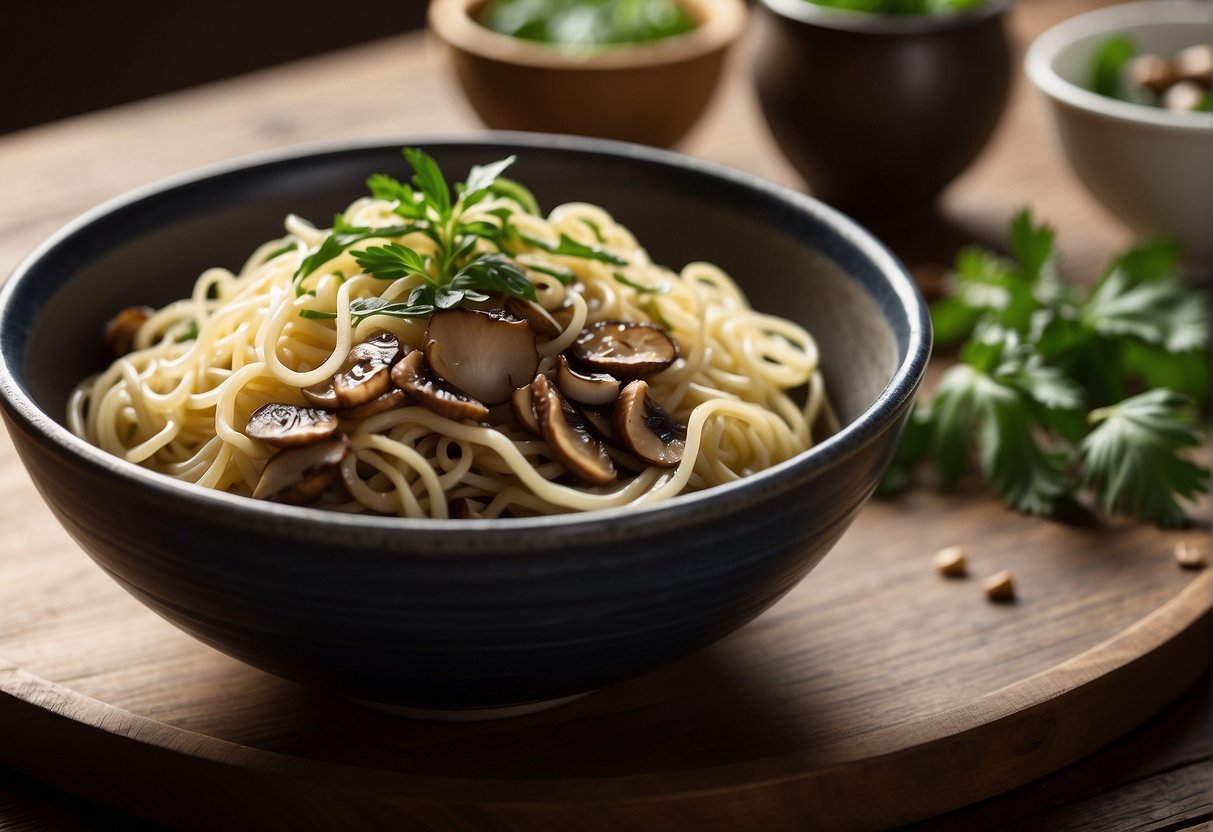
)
(650, 93)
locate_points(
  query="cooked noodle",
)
(746, 384)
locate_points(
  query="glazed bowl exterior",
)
(651, 93)
(462, 613)
(879, 112)
(1149, 167)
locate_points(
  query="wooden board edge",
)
(1156, 659)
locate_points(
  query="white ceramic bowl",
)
(1150, 167)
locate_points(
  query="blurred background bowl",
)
(650, 93)
(1152, 168)
(879, 112)
(462, 614)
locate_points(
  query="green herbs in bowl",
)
(587, 23)
(1121, 69)
(901, 6)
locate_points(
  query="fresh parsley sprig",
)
(1048, 391)
(1131, 460)
(569, 246)
(470, 258)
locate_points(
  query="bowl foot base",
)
(468, 714)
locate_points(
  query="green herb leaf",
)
(344, 235)
(970, 405)
(482, 177)
(427, 177)
(562, 273)
(639, 287)
(987, 285)
(392, 261)
(587, 24)
(411, 204)
(363, 308)
(570, 247)
(190, 333)
(1108, 64)
(495, 273)
(509, 189)
(1151, 366)
(330, 247)
(1040, 351)
(278, 252)
(593, 226)
(1131, 458)
(1161, 311)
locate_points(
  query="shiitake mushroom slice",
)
(568, 436)
(624, 349)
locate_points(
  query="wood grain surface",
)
(877, 693)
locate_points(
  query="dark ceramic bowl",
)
(462, 614)
(879, 112)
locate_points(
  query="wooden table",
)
(1156, 778)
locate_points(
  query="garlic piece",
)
(1191, 555)
(952, 562)
(1000, 587)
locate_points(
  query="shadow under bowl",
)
(462, 614)
(879, 113)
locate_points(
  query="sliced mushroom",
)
(545, 326)
(322, 394)
(413, 376)
(645, 429)
(362, 377)
(121, 329)
(1195, 64)
(394, 397)
(486, 356)
(594, 389)
(1183, 97)
(290, 426)
(569, 437)
(1151, 71)
(600, 422)
(301, 475)
(625, 349)
(523, 407)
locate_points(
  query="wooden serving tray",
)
(876, 693)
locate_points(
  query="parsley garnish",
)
(342, 236)
(470, 258)
(660, 289)
(1048, 389)
(1130, 457)
(572, 248)
(562, 273)
(190, 333)
(278, 252)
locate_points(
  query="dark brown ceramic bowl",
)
(462, 614)
(879, 112)
(650, 93)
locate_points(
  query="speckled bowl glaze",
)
(879, 113)
(462, 615)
